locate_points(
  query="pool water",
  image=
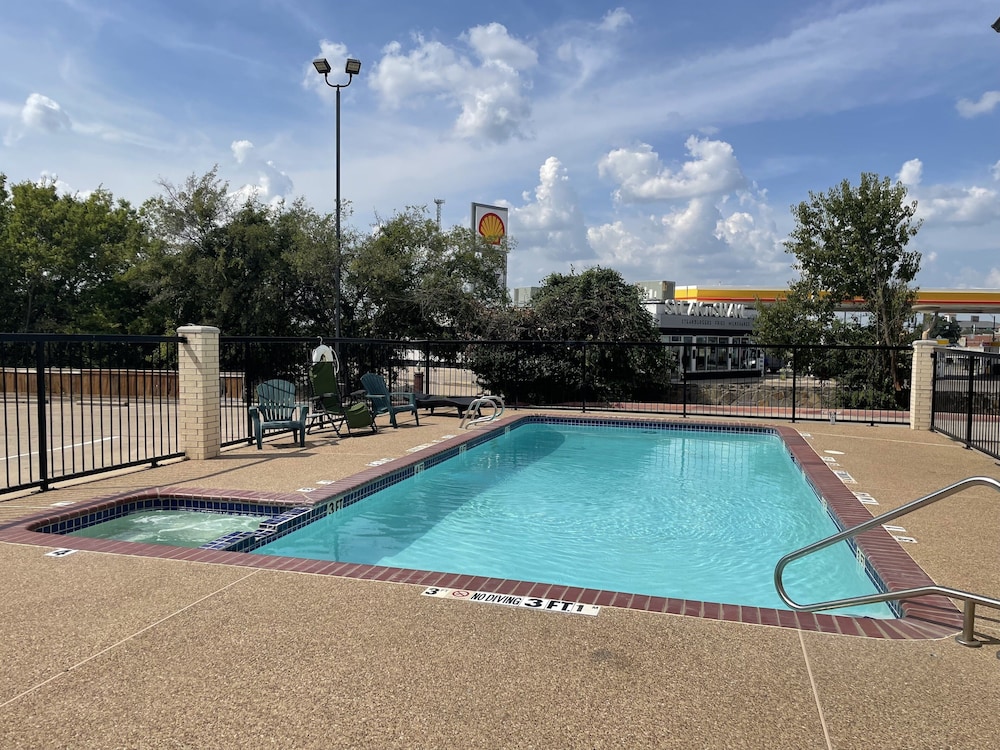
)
(701, 515)
(181, 528)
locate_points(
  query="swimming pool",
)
(885, 559)
(666, 512)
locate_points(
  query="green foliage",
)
(849, 244)
(590, 308)
(65, 260)
(197, 254)
(408, 279)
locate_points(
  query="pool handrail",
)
(475, 408)
(967, 636)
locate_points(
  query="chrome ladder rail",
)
(967, 637)
(476, 408)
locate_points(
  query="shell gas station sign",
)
(490, 222)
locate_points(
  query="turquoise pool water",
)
(700, 515)
(181, 528)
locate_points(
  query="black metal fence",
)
(967, 398)
(855, 384)
(77, 405)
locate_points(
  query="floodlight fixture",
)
(322, 66)
(996, 25)
(353, 66)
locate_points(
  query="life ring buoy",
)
(322, 353)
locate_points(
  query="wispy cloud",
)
(982, 106)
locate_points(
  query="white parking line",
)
(74, 445)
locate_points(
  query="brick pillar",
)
(200, 412)
(922, 385)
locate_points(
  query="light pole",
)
(352, 68)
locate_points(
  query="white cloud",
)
(493, 45)
(240, 150)
(951, 204)
(641, 176)
(716, 226)
(40, 114)
(615, 19)
(490, 93)
(986, 104)
(959, 205)
(911, 173)
(271, 185)
(550, 223)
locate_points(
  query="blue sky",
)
(666, 140)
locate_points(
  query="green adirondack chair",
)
(384, 402)
(277, 409)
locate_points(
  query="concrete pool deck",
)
(116, 651)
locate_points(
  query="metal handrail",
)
(967, 637)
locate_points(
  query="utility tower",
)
(439, 202)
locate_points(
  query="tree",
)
(850, 243)
(570, 313)
(65, 260)
(410, 280)
(248, 268)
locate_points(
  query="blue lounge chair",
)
(277, 409)
(384, 402)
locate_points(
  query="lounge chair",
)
(277, 409)
(327, 406)
(384, 402)
(426, 401)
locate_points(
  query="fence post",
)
(42, 397)
(922, 385)
(971, 405)
(200, 413)
(684, 383)
(795, 370)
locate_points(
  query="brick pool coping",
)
(932, 616)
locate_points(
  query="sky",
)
(666, 140)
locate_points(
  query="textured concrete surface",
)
(108, 651)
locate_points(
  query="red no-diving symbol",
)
(460, 593)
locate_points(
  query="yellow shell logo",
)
(491, 227)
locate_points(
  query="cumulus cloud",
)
(984, 105)
(641, 177)
(493, 45)
(951, 204)
(714, 221)
(271, 185)
(487, 87)
(240, 150)
(911, 172)
(959, 205)
(550, 223)
(40, 114)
